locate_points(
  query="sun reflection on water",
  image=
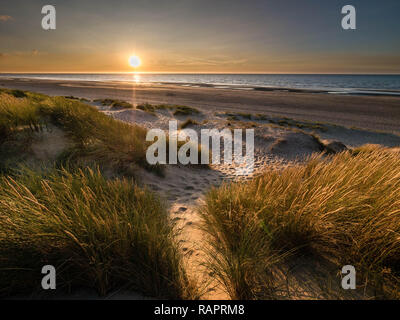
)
(136, 78)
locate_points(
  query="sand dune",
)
(279, 141)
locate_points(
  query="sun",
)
(134, 61)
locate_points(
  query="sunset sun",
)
(134, 61)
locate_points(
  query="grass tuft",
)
(114, 103)
(98, 137)
(343, 209)
(98, 233)
(184, 111)
(189, 122)
(17, 115)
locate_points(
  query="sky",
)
(201, 36)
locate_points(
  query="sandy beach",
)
(381, 113)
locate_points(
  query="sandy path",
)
(184, 189)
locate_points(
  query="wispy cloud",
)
(33, 52)
(198, 61)
(4, 18)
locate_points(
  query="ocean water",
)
(383, 84)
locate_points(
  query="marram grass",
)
(100, 233)
(344, 209)
(97, 138)
(97, 233)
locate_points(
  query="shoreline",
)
(339, 91)
(370, 112)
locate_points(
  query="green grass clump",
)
(17, 115)
(20, 121)
(18, 93)
(150, 108)
(98, 233)
(14, 92)
(147, 107)
(114, 103)
(260, 117)
(187, 123)
(99, 137)
(311, 126)
(239, 253)
(178, 110)
(283, 123)
(299, 124)
(76, 98)
(104, 102)
(121, 105)
(233, 116)
(244, 115)
(184, 111)
(339, 210)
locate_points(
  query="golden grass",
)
(98, 233)
(344, 209)
(17, 114)
(97, 138)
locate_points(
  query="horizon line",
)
(203, 72)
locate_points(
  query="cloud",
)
(33, 52)
(5, 18)
(199, 61)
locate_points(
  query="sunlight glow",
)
(134, 61)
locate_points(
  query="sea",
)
(330, 83)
